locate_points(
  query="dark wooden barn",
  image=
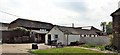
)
(37, 29)
(116, 29)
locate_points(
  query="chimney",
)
(72, 24)
(119, 4)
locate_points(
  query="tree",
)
(106, 27)
(103, 24)
(109, 28)
(22, 30)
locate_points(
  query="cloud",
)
(62, 12)
(77, 6)
(39, 10)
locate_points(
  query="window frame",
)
(56, 35)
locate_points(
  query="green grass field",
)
(67, 51)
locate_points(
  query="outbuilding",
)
(67, 35)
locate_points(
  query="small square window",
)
(42, 29)
(56, 36)
(82, 35)
(92, 35)
(85, 36)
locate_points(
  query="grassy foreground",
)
(67, 51)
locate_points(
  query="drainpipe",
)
(67, 39)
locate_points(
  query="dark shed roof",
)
(72, 30)
(32, 24)
(67, 30)
(117, 12)
(85, 31)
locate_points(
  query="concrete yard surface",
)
(20, 48)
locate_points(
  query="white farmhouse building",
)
(66, 35)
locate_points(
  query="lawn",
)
(67, 51)
(100, 47)
(64, 50)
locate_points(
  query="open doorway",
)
(40, 38)
(49, 39)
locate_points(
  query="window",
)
(92, 35)
(32, 32)
(96, 35)
(88, 35)
(56, 36)
(82, 35)
(42, 29)
(85, 35)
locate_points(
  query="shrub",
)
(102, 48)
(110, 47)
(74, 43)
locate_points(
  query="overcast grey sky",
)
(60, 12)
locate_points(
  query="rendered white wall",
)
(55, 31)
(61, 36)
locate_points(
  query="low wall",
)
(100, 40)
